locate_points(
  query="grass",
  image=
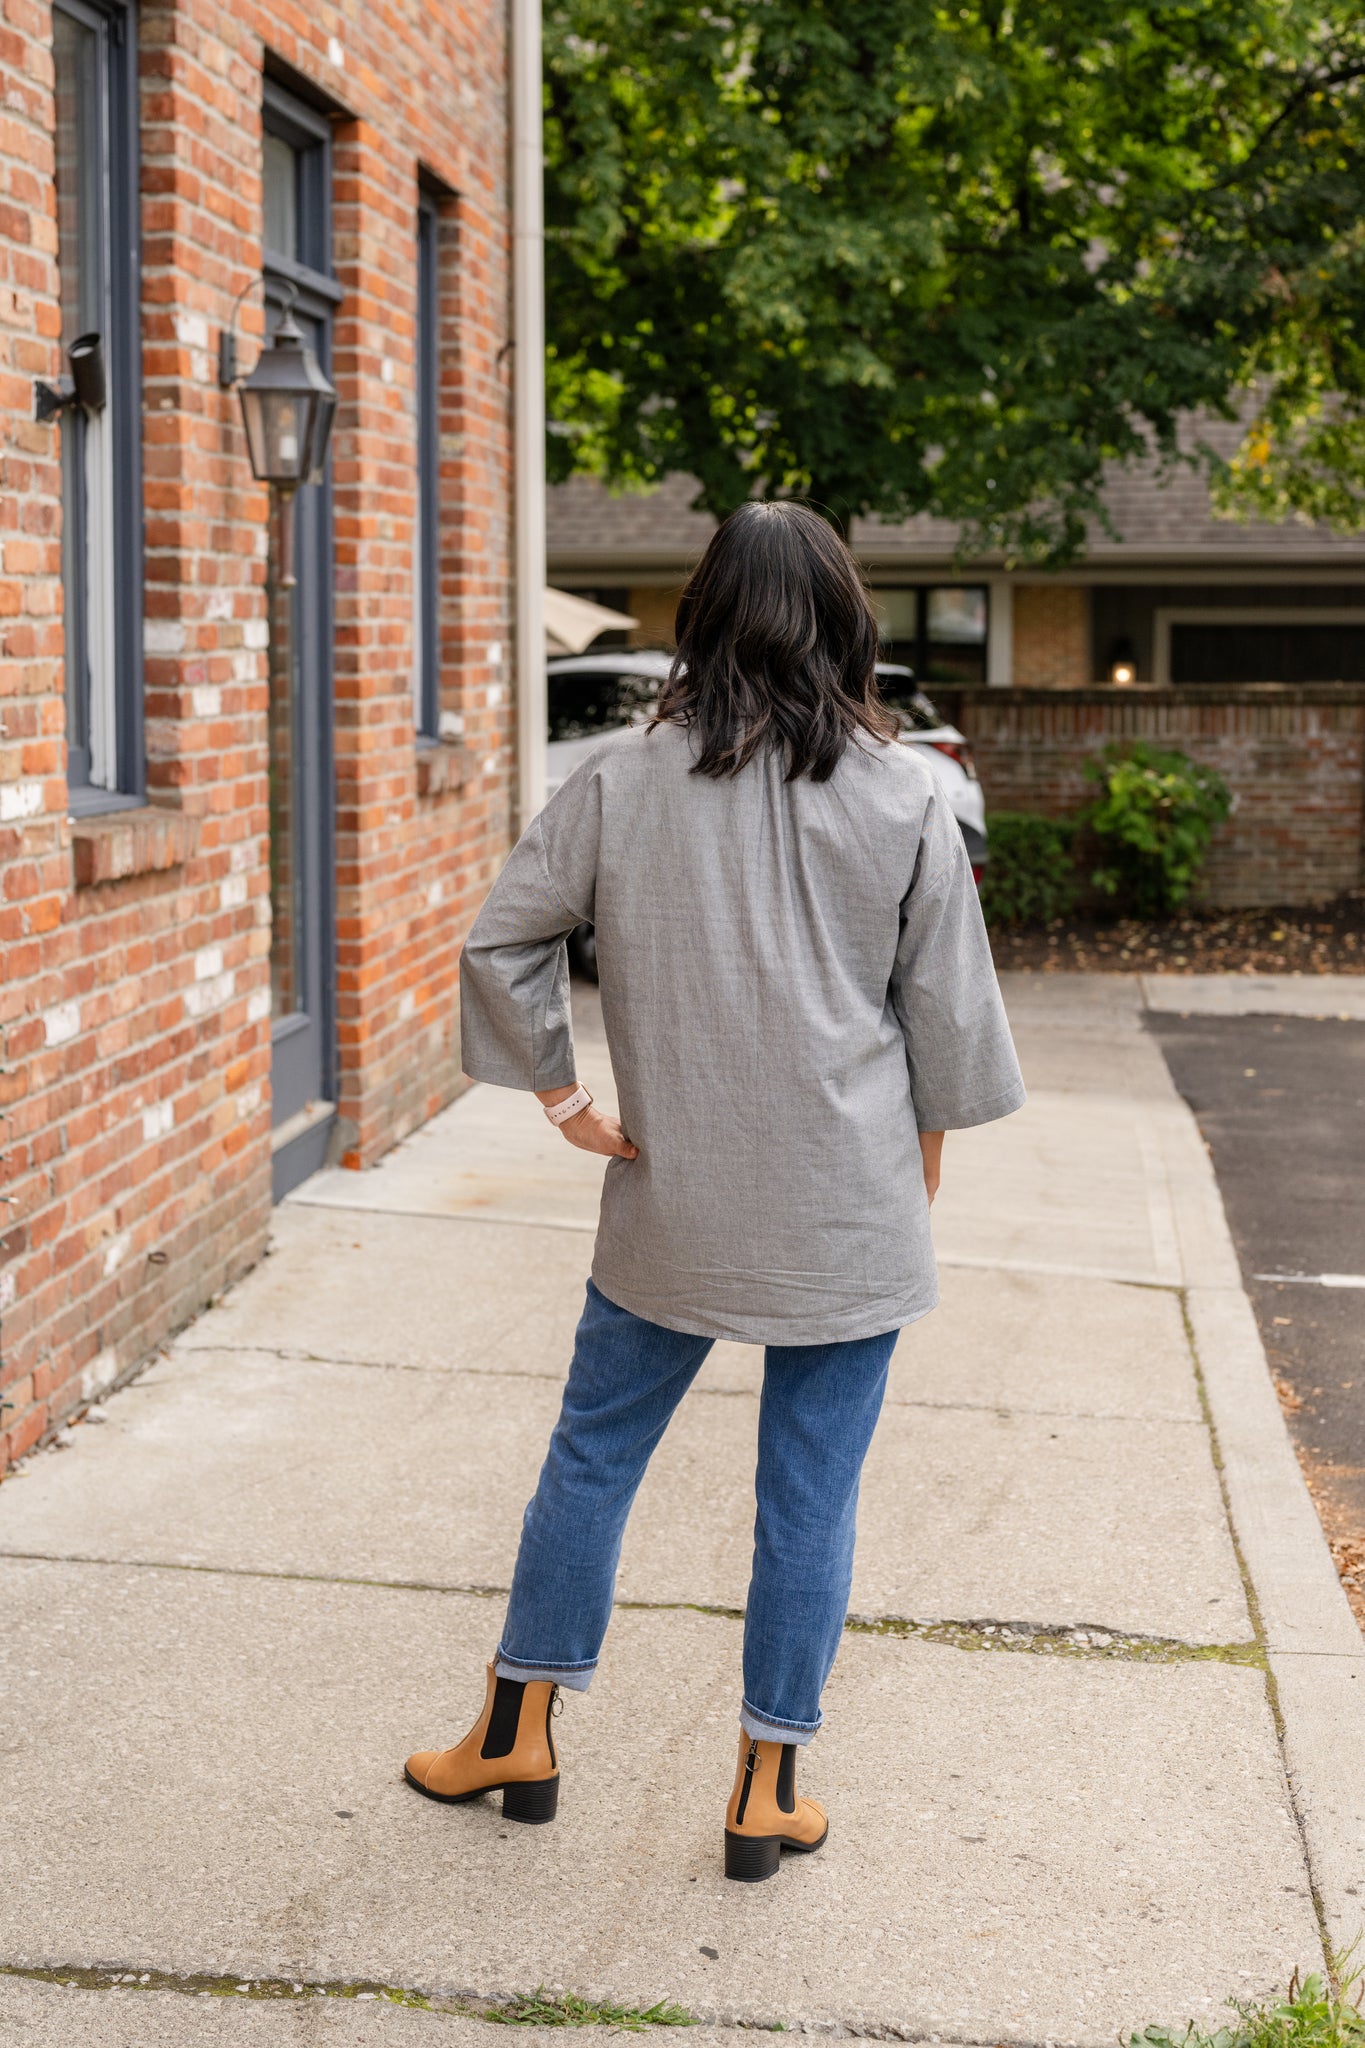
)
(562, 2009)
(1316, 2012)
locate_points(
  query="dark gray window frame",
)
(427, 565)
(117, 21)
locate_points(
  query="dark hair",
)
(777, 646)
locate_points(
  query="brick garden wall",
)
(1294, 757)
(134, 1016)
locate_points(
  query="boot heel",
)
(751, 1858)
(532, 1803)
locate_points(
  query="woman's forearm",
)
(931, 1152)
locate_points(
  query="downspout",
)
(528, 371)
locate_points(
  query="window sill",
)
(442, 767)
(112, 845)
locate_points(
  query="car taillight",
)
(959, 751)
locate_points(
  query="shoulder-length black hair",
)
(777, 646)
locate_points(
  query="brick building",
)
(1183, 597)
(243, 828)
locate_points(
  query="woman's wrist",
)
(549, 1097)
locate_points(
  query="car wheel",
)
(583, 951)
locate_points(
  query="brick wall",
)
(656, 610)
(134, 1017)
(1293, 756)
(1052, 636)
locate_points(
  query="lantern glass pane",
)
(321, 437)
(277, 431)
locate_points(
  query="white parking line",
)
(1317, 1279)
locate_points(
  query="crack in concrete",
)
(497, 2010)
(212, 1984)
(1090, 1639)
(290, 1356)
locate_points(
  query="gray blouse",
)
(795, 981)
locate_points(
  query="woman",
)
(799, 1001)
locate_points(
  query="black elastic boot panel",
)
(786, 1779)
(500, 1737)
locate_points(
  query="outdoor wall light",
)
(85, 385)
(288, 406)
(1122, 663)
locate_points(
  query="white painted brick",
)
(20, 800)
(116, 1251)
(61, 1023)
(407, 1003)
(9, 1291)
(99, 1374)
(232, 892)
(191, 329)
(249, 1100)
(163, 636)
(158, 1121)
(258, 1006)
(207, 700)
(436, 894)
(208, 962)
(209, 995)
(256, 632)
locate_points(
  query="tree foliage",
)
(908, 257)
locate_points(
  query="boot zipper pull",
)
(751, 1761)
(556, 1703)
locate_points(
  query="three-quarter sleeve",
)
(963, 1068)
(515, 1024)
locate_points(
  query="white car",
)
(593, 694)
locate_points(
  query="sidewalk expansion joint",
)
(534, 2009)
(1007, 1411)
(1071, 1639)
(1064, 1639)
(524, 2009)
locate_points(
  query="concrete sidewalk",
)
(1089, 1581)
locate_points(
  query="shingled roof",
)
(1162, 523)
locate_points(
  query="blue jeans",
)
(815, 1421)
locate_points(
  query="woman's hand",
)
(931, 1152)
(593, 1132)
(590, 1130)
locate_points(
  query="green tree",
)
(907, 257)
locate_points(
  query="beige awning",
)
(573, 623)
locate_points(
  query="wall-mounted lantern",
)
(1122, 663)
(288, 406)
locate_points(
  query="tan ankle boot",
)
(765, 1816)
(509, 1750)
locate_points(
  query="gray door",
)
(303, 936)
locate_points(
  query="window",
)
(95, 146)
(1319, 644)
(426, 553)
(939, 633)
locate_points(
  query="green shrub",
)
(1031, 875)
(1153, 821)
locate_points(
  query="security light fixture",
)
(1122, 663)
(288, 405)
(86, 384)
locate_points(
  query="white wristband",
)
(562, 1111)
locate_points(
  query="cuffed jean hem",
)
(573, 1677)
(758, 1729)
